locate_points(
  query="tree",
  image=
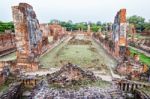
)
(99, 23)
(81, 26)
(95, 28)
(68, 25)
(6, 26)
(138, 22)
(147, 27)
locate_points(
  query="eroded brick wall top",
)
(27, 26)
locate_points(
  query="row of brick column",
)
(129, 87)
(31, 82)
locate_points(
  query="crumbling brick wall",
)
(7, 43)
(119, 32)
(56, 31)
(28, 36)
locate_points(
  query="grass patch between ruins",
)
(143, 58)
(82, 55)
(3, 88)
(11, 56)
(146, 90)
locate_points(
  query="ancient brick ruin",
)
(14, 92)
(28, 36)
(45, 34)
(7, 43)
(70, 73)
(89, 30)
(135, 87)
(56, 31)
(132, 31)
(33, 40)
(119, 32)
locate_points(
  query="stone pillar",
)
(89, 30)
(28, 35)
(123, 30)
(119, 32)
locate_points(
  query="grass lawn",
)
(146, 90)
(3, 88)
(11, 56)
(139, 36)
(143, 58)
(79, 54)
(49, 59)
(83, 55)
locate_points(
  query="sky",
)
(78, 10)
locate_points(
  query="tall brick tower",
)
(28, 36)
(119, 32)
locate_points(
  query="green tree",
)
(6, 26)
(99, 23)
(82, 26)
(95, 27)
(68, 25)
(138, 22)
(147, 26)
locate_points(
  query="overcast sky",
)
(78, 10)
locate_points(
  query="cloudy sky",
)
(78, 10)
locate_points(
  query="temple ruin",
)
(119, 32)
(90, 61)
(7, 43)
(28, 36)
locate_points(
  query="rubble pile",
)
(84, 93)
(69, 74)
(13, 92)
(43, 92)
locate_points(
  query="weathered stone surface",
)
(7, 43)
(28, 36)
(45, 30)
(42, 91)
(119, 32)
(14, 92)
(56, 31)
(69, 73)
